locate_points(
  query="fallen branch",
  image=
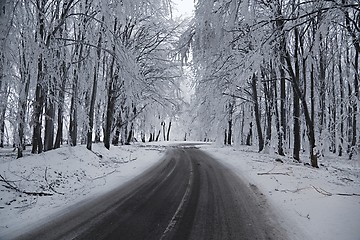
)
(97, 154)
(9, 185)
(274, 173)
(27, 206)
(292, 191)
(50, 185)
(106, 174)
(270, 172)
(17, 189)
(322, 191)
(346, 179)
(348, 194)
(307, 216)
(1, 180)
(30, 193)
(326, 193)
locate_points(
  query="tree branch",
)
(239, 97)
(17, 189)
(50, 185)
(326, 193)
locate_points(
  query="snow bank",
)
(69, 174)
(308, 201)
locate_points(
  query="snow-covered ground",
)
(306, 200)
(309, 202)
(70, 174)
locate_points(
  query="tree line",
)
(84, 71)
(280, 74)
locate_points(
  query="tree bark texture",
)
(257, 113)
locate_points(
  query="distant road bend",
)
(188, 195)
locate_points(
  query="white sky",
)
(184, 8)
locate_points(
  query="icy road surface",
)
(188, 195)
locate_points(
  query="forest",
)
(75, 72)
(282, 75)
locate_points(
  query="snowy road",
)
(188, 195)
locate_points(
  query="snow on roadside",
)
(299, 194)
(70, 174)
(305, 199)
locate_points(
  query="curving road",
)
(188, 195)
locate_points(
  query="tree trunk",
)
(257, 112)
(142, 127)
(73, 128)
(73, 111)
(355, 107)
(38, 107)
(118, 127)
(130, 135)
(230, 121)
(109, 114)
(98, 121)
(3, 104)
(353, 32)
(61, 103)
(142, 134)
(269, 105)
(341, 86)
(278, 122)
(163, 129)
(111, 96)
(296, 102)
(349, 121)
(157, 136)
(22, 106)
(168, 132)
(229, 135)
(61, 94)
(242, 124)
(116, 138)
(249, 136)
(309, 122)
(332, 112)
(310, 131)
(312, 94)
(297, 129)
(281, 51)
(322, 90)
(94, 92)
(2, 62)
(39, 91)
(92, 110)
(49, 122)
